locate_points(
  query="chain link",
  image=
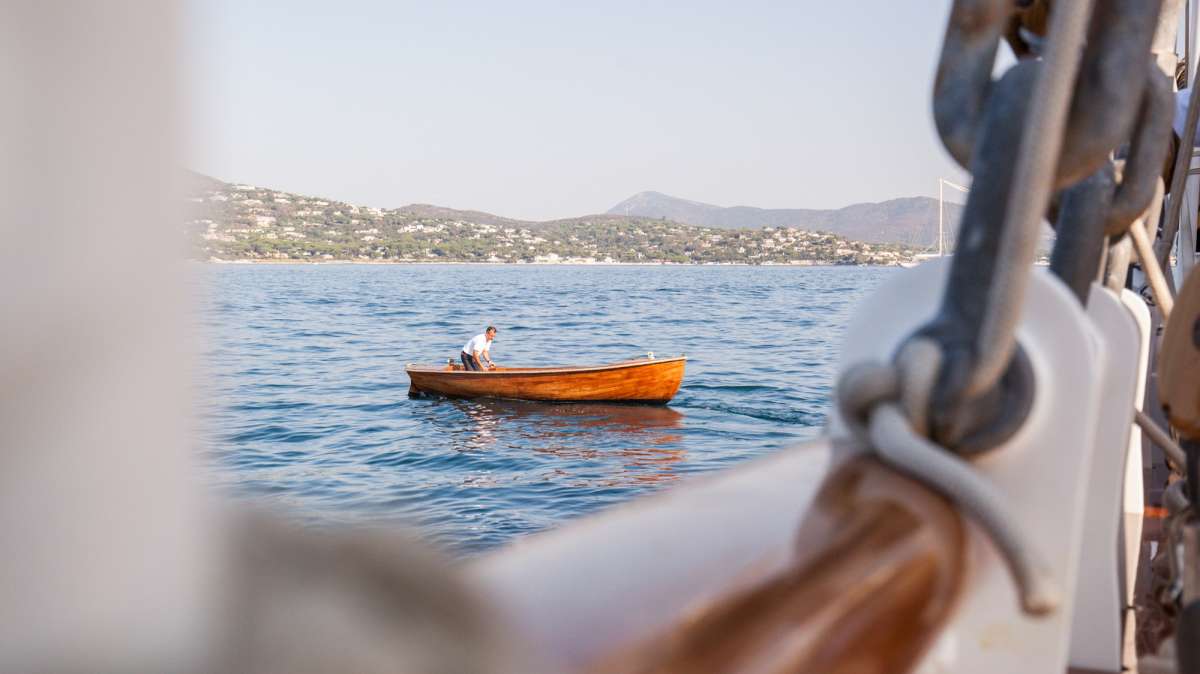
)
(961, 383)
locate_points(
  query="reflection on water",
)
(639, 434)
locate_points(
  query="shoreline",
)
(529, 264)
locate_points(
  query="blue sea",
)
(307, 409)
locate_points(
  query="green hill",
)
(248, 223)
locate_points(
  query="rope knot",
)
(885, 406)
(861, 388)
(908, 380)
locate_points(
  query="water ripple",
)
(306, 396)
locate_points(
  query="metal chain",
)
(1102, 208)
(1029, 194)
(1060, 139)
(953, 381)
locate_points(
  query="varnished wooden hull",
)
(643, 381)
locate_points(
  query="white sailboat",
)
(941, 240)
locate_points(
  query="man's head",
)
(490, 333)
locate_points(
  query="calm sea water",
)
(307, 405)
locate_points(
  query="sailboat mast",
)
(942, 183)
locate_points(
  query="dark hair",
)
(490, 328)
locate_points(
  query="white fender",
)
(1043, 468)
(1099, 597)
(1135, 497)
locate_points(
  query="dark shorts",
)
(469, 361)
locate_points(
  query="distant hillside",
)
(910, 221)
(418, 211)
(247, 223)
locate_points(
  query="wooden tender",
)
(645, 380)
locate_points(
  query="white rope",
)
(895, 442)
(867, 399)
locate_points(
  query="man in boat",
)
(478, 349)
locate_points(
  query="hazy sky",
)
(540, 110)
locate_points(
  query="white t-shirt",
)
(479, 342)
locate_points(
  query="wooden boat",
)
(644, 380)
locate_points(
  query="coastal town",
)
(245, 223)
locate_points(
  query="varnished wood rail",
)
(854, 570)
(879, 563)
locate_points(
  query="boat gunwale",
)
(553, 370)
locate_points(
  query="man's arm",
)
(488, 357)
